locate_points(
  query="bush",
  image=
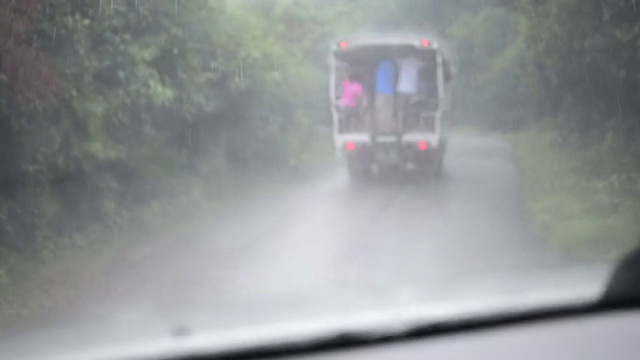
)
(575, 194)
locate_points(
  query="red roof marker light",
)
(423, 146)
(343, 44)
(425, 43)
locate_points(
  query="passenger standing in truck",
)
(351, 92)
(384, 98)
(428, 88)
(407, 87)
(351, 103)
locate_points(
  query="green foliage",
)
(585, 212)
(114, 104)
(151, 94)
(577, 62)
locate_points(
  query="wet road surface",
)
(327, 246)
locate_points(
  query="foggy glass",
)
(245, 172)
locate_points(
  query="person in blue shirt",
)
(385, 77)
(384, 98)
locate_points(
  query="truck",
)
(390, 132)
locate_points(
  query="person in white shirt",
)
(407, 86)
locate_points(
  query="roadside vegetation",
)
(586, 212)
(118, 117)
(564, 77)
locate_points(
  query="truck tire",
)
(359, 170)
(438, 165)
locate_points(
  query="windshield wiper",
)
(623, 289)
(356, 339)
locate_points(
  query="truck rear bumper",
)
(433, 139)
(394, 154)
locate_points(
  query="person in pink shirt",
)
(351, 93)
(352, 103)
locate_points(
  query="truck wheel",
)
(358, 170)
(438, 165)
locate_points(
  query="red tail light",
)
(423, 146)
(425, 43)
(343, 44)
(350, 146)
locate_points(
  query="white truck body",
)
(413, 146)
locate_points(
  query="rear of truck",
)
(388, 133)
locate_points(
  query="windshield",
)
(250, 171)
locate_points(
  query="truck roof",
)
(416, 41)
(382, 40)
